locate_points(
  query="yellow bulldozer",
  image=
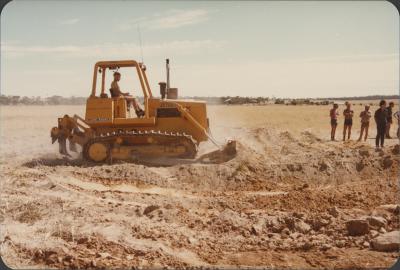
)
(168, 127)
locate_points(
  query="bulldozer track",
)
(109, 139)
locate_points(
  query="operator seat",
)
(113, 95)
(120, 105)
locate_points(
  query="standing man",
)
(381, 116)
(397, 116)
(365, 116)
(333, 114)
(348, 120)
(389, 119)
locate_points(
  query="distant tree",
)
(4, 100)
(54, 100)
(15, 100)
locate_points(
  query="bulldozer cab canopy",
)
(101, 66)
(117, 64)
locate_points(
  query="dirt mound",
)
(310, 137)
(306, 157)
(283, 194)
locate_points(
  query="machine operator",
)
(116, 92)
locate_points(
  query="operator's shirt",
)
(115, 91)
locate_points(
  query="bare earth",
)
(282, 202)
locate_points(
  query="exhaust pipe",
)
(163, 88)
(172, 93)
(167, 67)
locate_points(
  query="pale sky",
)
(263, 48)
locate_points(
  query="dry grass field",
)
(287, 200)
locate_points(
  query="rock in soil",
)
(373, 233)
(377, 222)
(150, 209)
(334, 211)
(394, 208)
(387, 162)
(382, 230)
(364, 152)
(257, 229)
(302, 227)
(396, 149)
(357, 227)
(387, 242)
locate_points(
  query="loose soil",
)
(282, 202)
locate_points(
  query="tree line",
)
(53, 100)
(229, 100)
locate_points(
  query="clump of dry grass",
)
(28, 213)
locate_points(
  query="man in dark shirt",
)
(381, 116)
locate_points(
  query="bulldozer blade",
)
(54, 134)
(230, 148)
(225, 154)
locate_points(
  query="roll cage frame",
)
(100, 67)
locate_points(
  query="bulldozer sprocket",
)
(101, 147)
